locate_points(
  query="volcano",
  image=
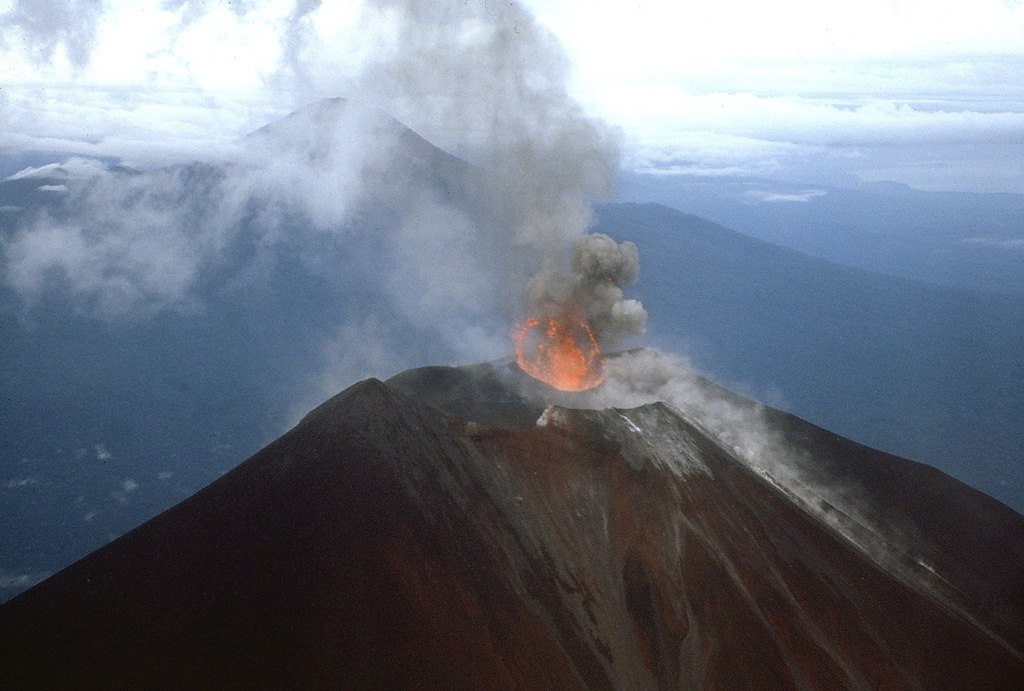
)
(450, 528)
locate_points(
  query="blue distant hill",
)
(969, 240)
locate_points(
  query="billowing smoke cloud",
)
(592, 289)
(500, 98)
(47, 24)
(447, 253)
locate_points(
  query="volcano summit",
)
(451, 528)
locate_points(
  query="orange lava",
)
(560, 352)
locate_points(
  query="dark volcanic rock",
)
(388, 543)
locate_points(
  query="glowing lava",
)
(560, 352)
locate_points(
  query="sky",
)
(930, 94)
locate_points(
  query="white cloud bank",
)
(929, 93)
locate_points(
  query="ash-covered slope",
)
(386, 542)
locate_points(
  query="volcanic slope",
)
(442, 530)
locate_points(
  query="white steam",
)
(740, 426)
(638, 377)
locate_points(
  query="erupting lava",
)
(560, 352)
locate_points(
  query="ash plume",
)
(490, 84)
(592, 288)
(444, 254)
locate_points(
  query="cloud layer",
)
(865, 91)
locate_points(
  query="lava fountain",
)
(560, 352)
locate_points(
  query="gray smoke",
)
(447, 255)
(486, 81)
(592, 289)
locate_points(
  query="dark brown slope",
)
(384, 544)
(931, 530)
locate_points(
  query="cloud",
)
(142, 128)
(127, 248)
(673, 35)
(48, 25)
(719, 90)
(805, 94)
(961, 166)
(17, 483)
(1002, 243)
(137, 243)
(13, 583)
(806, 121)
(74, 168)
(157, 82)
(665, 149)
(803, 196)
(678, 132)
(123, 492)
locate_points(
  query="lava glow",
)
(560, 352)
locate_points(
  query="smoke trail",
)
(491, 84)
(447, 253)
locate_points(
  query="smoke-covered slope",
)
(912, 520)
(386, 543)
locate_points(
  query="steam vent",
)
(442, 531)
